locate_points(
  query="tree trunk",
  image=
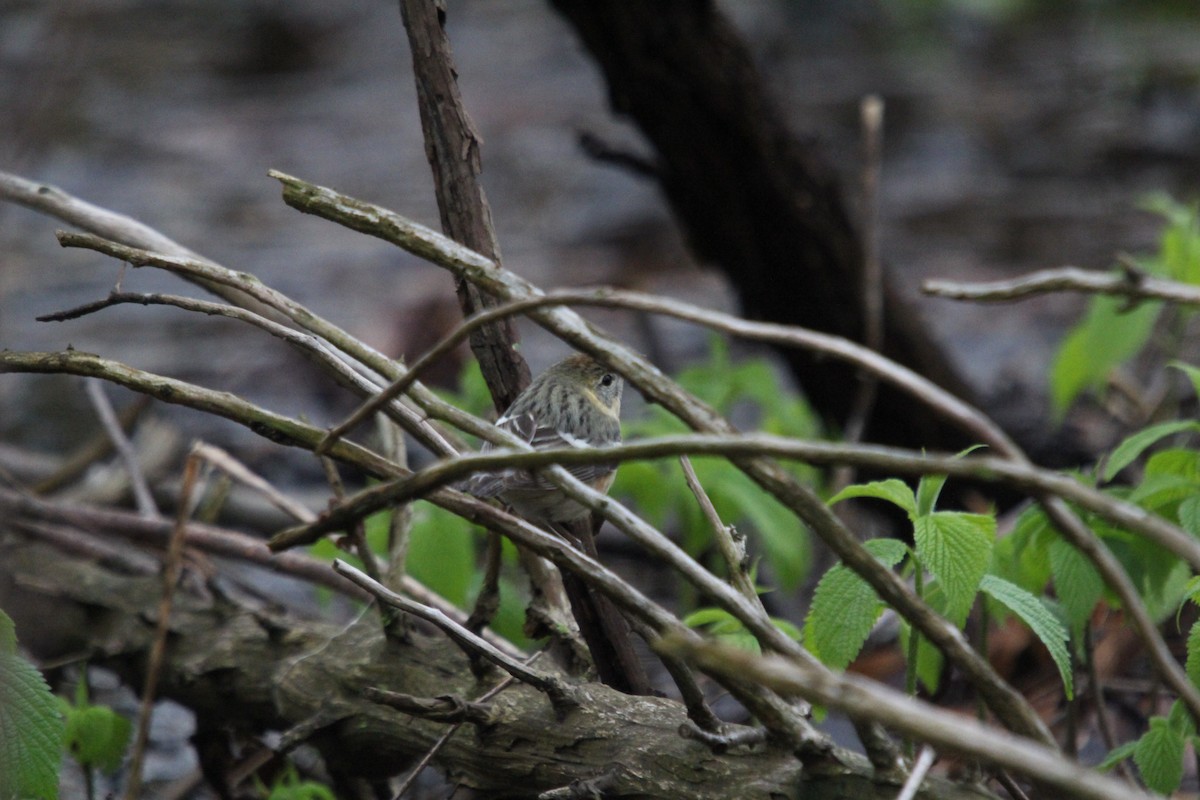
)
(755, 200)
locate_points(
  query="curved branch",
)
(1125, 283)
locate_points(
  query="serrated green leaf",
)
(1180, 719)
(957, 548)
(845, 607)
(1159, 756)
(1107, 336)
(31, 726)
(1180, 461)
(1189, 515)
(893, 490)
(1044, 624)
(1193, 654)
(1135, 444)
(1076, 582)
(8, 635)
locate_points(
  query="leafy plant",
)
(290, 786)
(96, 736)
(31, 729)
(955, 548)
(747, 389)
(1111, 332)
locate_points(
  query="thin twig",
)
(732, 546)
(877, 458)
(356, 530)
(971, 420)
(222, 460)
(445, 737)
(944, 729)
(1124, 283)
(308, 344)
(559, 692)
(171, 572)
(871, 116)
(112, 426)
(919, 771)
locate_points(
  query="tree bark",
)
(254, 669)
(755, 200)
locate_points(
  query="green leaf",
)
(957, 548)
(31, 727)
(1193, 654)
(1106, 336)
(893, 490)
(845, 607)
(1193, 374)
(1159, 756)
(1116, 756)
(1180, 719)
(929, 659)
(928, 489)
(1040, 620)
(1076, 582)
(441, 551)
(724, 626)
(97, 736)
(1135, 444)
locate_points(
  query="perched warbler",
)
(576, 402)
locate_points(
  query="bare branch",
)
(950, 732)
(1125, 283)
(560, 693)
(108, 418)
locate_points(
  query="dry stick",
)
(222, 460)
(336, 337)
(308, 344)
(986, 469)
(171, 570)
(108, 418)
(561, 694)
(1125, 283)
(1103, 718)
(412, 776)
(733, 549)
(948, 731)
(919, 771)
(401, 520)
(1059, 513)
(871, 115)
(109, 224)
(98, 447)
(452, 147)
(356, 530)
(955, 410)
(453, 151)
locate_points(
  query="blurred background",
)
(1018, 135)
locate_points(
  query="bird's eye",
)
(607, 380)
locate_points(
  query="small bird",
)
(576, 402)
